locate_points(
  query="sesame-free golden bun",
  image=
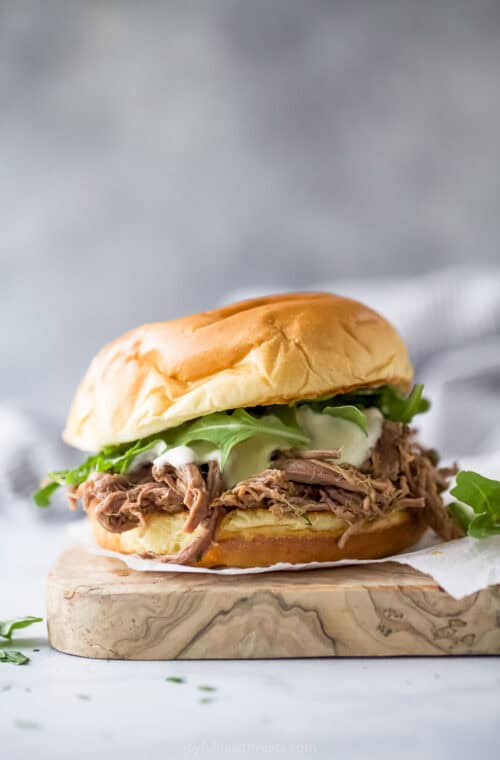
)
(270, 350)
(257, 538)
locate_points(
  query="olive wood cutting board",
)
(98, 607)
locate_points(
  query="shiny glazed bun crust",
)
(263, 351)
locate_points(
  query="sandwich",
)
(272, 430)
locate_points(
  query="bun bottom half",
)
(257, 538)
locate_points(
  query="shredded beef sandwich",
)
(271, 430)
(398, 475)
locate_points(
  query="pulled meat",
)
(399, 474)
(349, 495)
(398, 457)
(196, 497)
(120, 502)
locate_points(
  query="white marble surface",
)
(60, 706)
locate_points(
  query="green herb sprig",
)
(13, 656)
(478, 505)
(224, 429)
(7, 628)
(393, 404)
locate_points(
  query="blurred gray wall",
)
(154, 156)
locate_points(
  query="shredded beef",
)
(310, 453)
(195, 495)
(313, 471)
(399, 474)
(272, 489)
(385, 459)
(121, 501)
(351, 496)
(418, 467)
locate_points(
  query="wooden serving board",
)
(98, 607)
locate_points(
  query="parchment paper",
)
(460, 567)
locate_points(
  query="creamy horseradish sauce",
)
(253, 456)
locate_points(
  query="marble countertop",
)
(65, 706)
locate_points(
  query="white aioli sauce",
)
(176, 456)
(335, 433)
(253, 456)
(179, 455)
(146, 457)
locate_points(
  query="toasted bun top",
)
(269, 350)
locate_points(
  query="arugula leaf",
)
(284, 412)
(349, 413)
(224, 429)
(461, 513)
(121, 458)
(43, 495)
(227, 430)
(483, 526)
(393, 404)
(482, 495)
(111, 459)
(13, 656)
(7, 627)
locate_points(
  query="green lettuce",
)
(224, 429)
(13, 656)
(7, 627)
(227, 429)
(396, 406)
(393, 404)
(478, 506)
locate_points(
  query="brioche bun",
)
(257, 538)
(270, 350)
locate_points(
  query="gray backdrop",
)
(154, 156)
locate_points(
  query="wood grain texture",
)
(97, 607)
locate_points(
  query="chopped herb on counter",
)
(7, 628)
(13, 656)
